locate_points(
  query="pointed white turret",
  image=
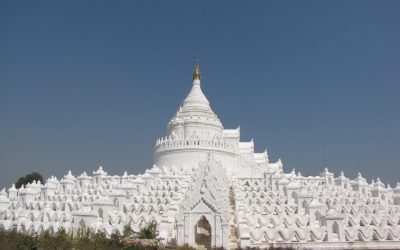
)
(196, 96)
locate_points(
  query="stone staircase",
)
(233, 227)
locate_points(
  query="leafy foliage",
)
(149, 231)
(128, 231)
(59, 240)
(29, 178)
(14, 240)
(83, 239)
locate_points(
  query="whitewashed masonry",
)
(207, 188)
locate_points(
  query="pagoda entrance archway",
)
(202, 233)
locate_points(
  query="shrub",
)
(15, 240)
(83, 239)
(115, 241)
(149, 231)
(100, 241)
(128, 231)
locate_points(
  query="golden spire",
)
(196, 72)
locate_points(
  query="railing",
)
(214, 144)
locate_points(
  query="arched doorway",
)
(203, 233)
(335, 230)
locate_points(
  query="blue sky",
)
(89, 83)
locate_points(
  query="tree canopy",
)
(34, 176)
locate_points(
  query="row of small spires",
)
(359, 176)
(156, 170)
(326, 172)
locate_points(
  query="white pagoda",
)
(209, 189)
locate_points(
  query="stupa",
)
(209, 189)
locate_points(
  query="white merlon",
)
(209, 189)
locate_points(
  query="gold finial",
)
(196, 72)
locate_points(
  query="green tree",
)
(29, 178)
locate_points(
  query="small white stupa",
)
(209, 189)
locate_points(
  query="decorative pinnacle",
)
(196, 72)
